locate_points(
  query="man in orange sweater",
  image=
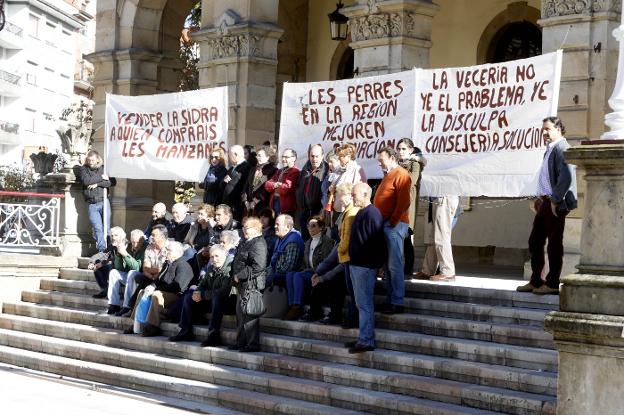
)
(393, 201)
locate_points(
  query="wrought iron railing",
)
(9, 77)
(9, 127)
(29, 224)
(15, 29)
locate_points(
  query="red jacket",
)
(289, 179)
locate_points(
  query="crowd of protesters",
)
(321, 233)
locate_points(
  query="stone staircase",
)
(458, 350)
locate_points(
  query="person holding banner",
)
(92, 176)
(557, 201)
(233, 184)
(393, 201)
(212, 182)
(283, 184)
(309, 189)
(412, 160)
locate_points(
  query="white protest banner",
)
(165, 136)
(369, 112)
(480, 126)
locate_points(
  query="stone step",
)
(177, 387)
(432, 325)
(327, 393)
(76, 274)
(506, 297)
(297, 354)
(452, 309)
(83, 262)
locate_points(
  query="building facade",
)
(41, 72)
(253, 46)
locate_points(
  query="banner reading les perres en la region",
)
(369, 113)
(165, 136)
(480, 126)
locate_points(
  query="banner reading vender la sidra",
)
(165, 136)
(480, 126)
(370, 113)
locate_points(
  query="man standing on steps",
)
(233, 183)
(556, 202)
(393, 201)
(367, 253)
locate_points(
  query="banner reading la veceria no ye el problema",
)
(480, 127)
(370, 113)
(165, 136)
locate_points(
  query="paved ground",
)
(26, 391)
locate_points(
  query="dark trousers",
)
(304, 217)
(193, 311)
(352, 311)
(247, 328)
(331, 292)
(547, 226)
(101, 276)
(408, 253)
(141, 281)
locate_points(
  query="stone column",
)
(238, 48)
(588, 329)
(390, 36)
(583, 30)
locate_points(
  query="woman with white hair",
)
(249, 266)
(211, 294)
(230, 240)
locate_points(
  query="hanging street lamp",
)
(338, 23)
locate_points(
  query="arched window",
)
(517, 40)
(345, 67)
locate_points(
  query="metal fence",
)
(33, 223)
(9, 77)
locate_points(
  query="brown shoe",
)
(526, 288)
(422, 276)
(442, 277)
(293, 313)
(545, 289)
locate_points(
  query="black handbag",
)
(252, 303)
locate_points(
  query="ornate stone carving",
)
(554, 8)
(233, 46)
(381, 25)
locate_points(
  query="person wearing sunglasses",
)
(216, 172)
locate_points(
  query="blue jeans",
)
(395, 267)
(296, 284)
(96, 215)
(363, 280)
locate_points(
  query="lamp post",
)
(615, 119)
(338, 23)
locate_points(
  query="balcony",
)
(11, 37)
(83, 78)
(10, 85)
(9, 133)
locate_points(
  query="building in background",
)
(42, 71)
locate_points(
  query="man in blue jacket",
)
(556, 201)
(367, 253)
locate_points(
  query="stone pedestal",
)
(74, 228)
(390, 36)
(588, 328)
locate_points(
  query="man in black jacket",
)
(160, 216)
(211, 294)
(92, 176)
(170, 285)
(308, 190)
(233, 183)
(557, 200)
(181, 222)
